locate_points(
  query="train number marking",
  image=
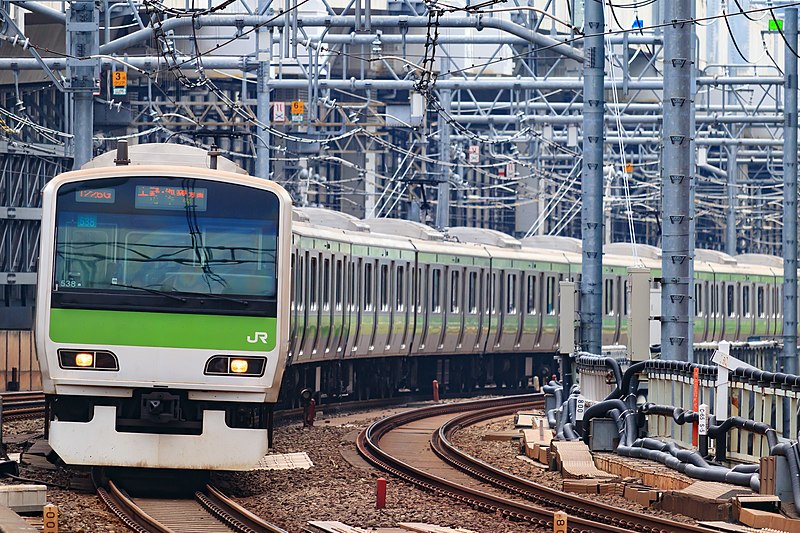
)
(258, 336)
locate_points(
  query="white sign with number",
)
(702, 419)
(580, 408)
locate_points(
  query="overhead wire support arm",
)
(7, 23)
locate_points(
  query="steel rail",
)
(574, 505)
(230, 514)
(368, 444)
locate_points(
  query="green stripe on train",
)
(169, 330)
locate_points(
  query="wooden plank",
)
(24, 360)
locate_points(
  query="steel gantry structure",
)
(505, 115)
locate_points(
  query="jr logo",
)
(258, 336)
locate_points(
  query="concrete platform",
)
(11, 522)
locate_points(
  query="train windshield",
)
(195, 245)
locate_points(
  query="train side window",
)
(473, 292)
(384, 287)
(746, 301)
(730, 301)
(436, 287)
(337, 290)
(609, 297)
(368, 286)
(511, 294)
(400, 297)
(301, 283)
(760, 302)
(415, 289)
(489, 294)
(626, 304)
(455, 279)
(351, 289)
(293, 303)
(698, 299)
(551, 295)
(313, 283)
(714, 306)
(496, 290)
(530, 304)
(326, 284)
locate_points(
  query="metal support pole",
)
(676, 176)
(443, 204)
(733, 174)
(591, 290)
(790, 197)
(264, 57)
(83, 39)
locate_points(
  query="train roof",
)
(165, 154)
(479, 242)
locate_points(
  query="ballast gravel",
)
(339, 486)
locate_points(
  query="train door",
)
(400, 313)
(293, 330)
(302, 304)
(351, 303)
(453, 304)
(510, 311)
(464, 311)
(313, 309)
(524, 334)
(747, 323)
(337, 304)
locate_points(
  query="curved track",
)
(415, 446)
(210, 512)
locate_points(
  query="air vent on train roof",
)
(328, 218)
(165, 154)
(553, 242)
(760, 259)
(627, 249)
(713, 256)
(484, 236)
(403, 228)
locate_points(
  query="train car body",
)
(162, 317)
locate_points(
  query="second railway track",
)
(209, 511)
(415, 446)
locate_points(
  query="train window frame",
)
(472, 292)
(730, 300)
(511, 294)
(436, 288)
(338, 285)
(352, 295)
(293, 287)
(313, 283)
(400, 286)
(455, 285)
(530, 300)
(384, 288)
(626, 301)
(746, 301)
(698, 300)
(760, 302)
(608, 297)
(551, 295)
(367, 286)
(496, 295)
(301, 272)
(326, 284)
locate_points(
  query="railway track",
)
(415, 446)
(210, 511)
(23, 404)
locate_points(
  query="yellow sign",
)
(50, 518)
(119, 79)
(298, 107)
(560, 522)
(629, 168)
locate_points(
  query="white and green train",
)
(162, 316)
(175, 301)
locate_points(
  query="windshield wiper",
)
(168, 294)
(217, 296)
